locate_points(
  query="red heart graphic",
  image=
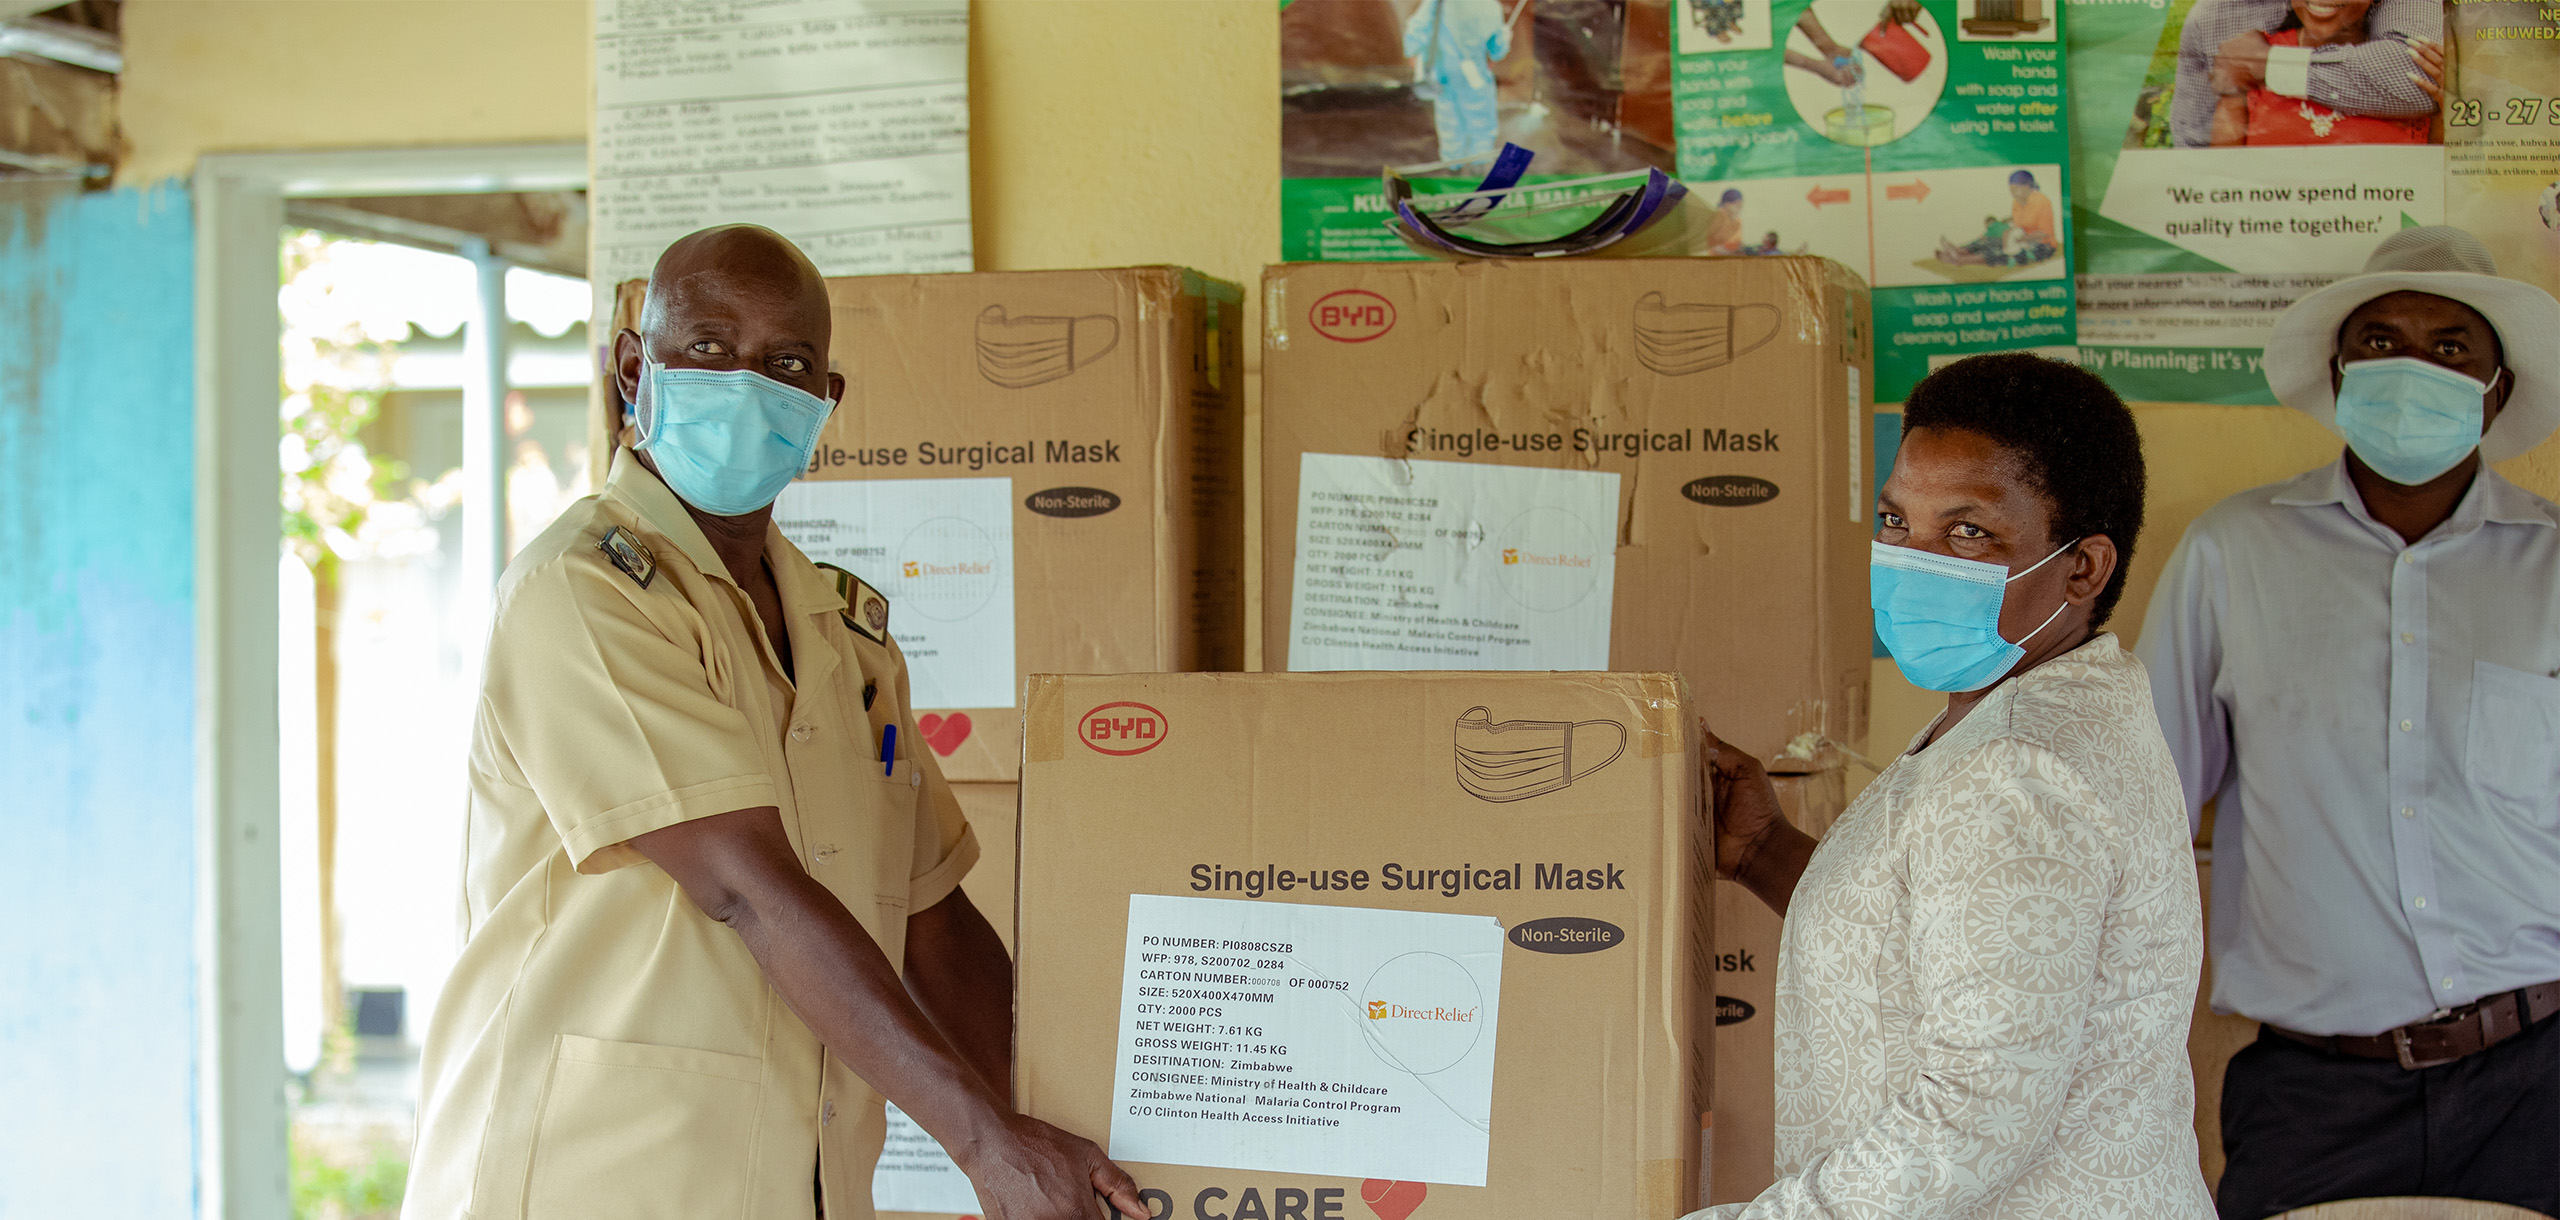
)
(944, 733)
(1392, 1200)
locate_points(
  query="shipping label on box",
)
(1347, 1041)
(1442, 565)
(942, 551)
(916, 1176)
(1439, 944)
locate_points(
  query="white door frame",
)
(241, 1171)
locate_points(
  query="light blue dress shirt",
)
(2380, 726)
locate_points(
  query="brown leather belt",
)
(2450, 1035)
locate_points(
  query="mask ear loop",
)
(2021, 641)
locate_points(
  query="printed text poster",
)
(841, 124)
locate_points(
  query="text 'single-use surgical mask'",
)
(2409, 419)
(1940, 616)
(726, 440)
(1513, 760)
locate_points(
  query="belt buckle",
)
(2408, 1062)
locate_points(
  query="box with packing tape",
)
(1043, 470)
(1636, 464)
(1328, 946)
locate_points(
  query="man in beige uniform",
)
(681, 727)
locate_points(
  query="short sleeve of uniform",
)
(946, 846)
(602, 705)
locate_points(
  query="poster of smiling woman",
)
(2259, 150)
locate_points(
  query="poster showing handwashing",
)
(1921, 142)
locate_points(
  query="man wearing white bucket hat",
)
(2361, 666)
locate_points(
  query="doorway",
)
(343, 573)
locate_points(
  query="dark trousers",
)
(2301, 1126)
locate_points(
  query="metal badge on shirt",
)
(630, 555)
(865, 610)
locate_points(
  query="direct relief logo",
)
(1514, 556)
(1353, 315)
(963, 568)
(1122, 729)
(1381, 1010)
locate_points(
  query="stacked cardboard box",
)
(1638, 464)
(1438, 944)
(1044, 472)
(1812, 792)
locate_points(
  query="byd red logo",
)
(1353, 315)
(1122, 728)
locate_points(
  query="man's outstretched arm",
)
(961, 977)
(740, 869)
(2371, 77)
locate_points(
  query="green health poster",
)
(1923, 143)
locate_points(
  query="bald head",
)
(733, 297)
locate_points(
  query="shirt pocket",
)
(636, 1131)
(861, 847)
(2513, 752)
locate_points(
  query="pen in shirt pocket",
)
(889, 749)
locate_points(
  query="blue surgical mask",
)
(2409, 419)
(726, 440)
(1940, 616)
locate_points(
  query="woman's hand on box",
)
(1741, 800)
(1755, 844)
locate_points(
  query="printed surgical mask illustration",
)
(1676, 340)
(1018, 353)
(1514, 760)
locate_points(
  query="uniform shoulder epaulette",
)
(629, 554)
(865, 609)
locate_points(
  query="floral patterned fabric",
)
(1987, 971)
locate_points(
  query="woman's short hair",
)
(2073, 438)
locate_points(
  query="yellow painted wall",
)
(236, 75)
(1104, 132)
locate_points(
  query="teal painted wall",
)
(97, 692)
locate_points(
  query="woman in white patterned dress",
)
(1989, 961)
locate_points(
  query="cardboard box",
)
(1043, 470)
(990, 885)
(1813, 794)
(1504, 434)
(1436, 944)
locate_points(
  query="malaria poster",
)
(1434, 88)
(1921, 142)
